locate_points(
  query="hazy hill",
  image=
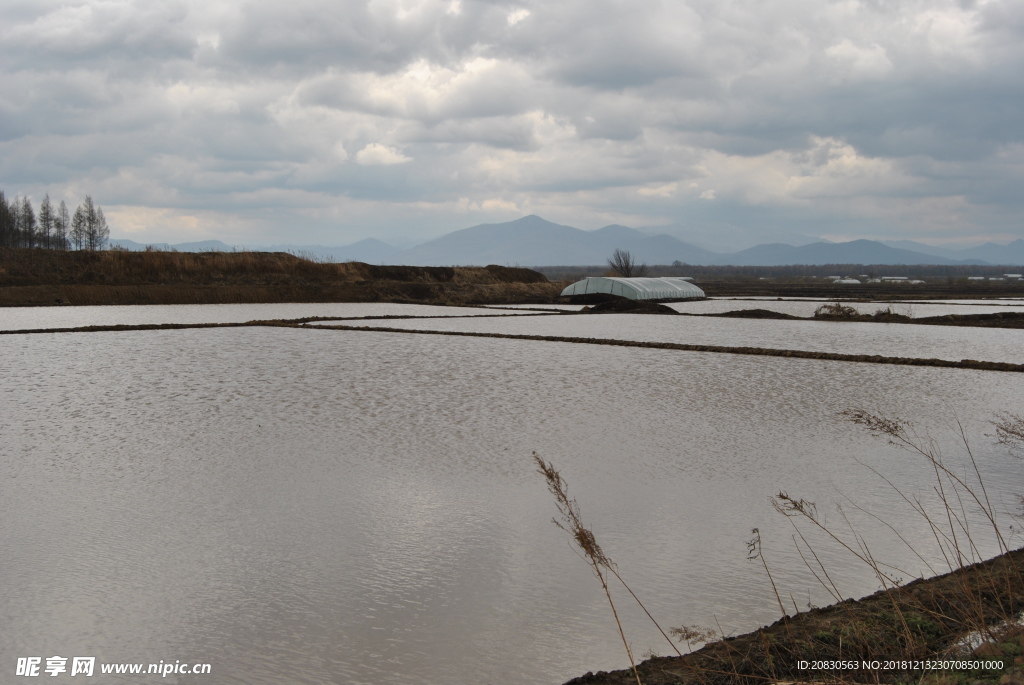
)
(727, 238)
(853, 252)
(991, 253)
(523, 241)
(533, 241)
(998, 254)
(924, 248)
(536, 241)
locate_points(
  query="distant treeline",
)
(53, 228)
(796, 272)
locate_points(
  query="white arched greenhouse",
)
(665, 288)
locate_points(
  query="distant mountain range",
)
(726, 238)
(533, 241)
(992, 253)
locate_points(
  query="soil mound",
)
(622, 305)
(756, 314)
(996, 320)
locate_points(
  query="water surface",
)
(891, 340)
(316, 506)
(21, 318)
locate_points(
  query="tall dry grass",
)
(167, 277)
(971, 609)
(20, 267)
(571, 521)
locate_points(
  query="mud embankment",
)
(721, 349)
(47, 277)
(622, 305)
(992, 320)
(865, 291)
(718, 349)
(925, 619)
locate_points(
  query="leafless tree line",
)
(53, 227)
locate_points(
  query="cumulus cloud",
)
(376, 154)
(395, 116)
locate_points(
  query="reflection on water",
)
(353, 507)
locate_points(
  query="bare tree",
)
(53, 228)
(102, 230)
(28, 223)
(8, 223)
(96, 230)
(89, 210)
(623, 264)
(61, 226)
(45, 220)
(78, 228)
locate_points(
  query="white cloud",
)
(824, 169)
(859, 62)
(666, 190)
(376, 154)
(517, 15)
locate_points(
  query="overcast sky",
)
(329, 121)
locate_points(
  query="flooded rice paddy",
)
(317, 506)
(28, 318)
(892, 340)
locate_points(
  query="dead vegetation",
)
(46, 277)
(970, 611)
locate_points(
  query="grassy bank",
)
(992, 320)
(964, 626)
(922, 620)
(48, 277)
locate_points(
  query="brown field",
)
(47, 277)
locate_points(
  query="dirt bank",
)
(864, 291)
(994, 320)
(47, 277)
(755, 314)
(718, 349)
(622, 305)
(922, 620)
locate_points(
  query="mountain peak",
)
(531, 219)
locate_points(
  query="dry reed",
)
(944, 617)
